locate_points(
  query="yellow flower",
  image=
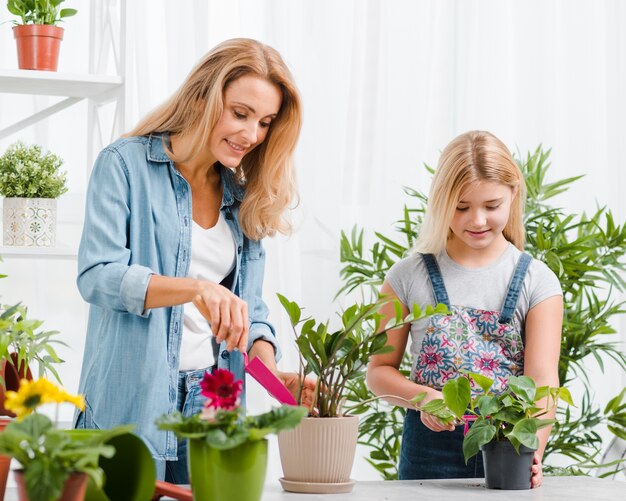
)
(32, 394)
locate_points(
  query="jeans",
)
(428, 454)
(190, 402)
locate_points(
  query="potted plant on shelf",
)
(30, 182)
(317, 456)
(504, 425)
(227, 451)
(56, 464)
(37, 35)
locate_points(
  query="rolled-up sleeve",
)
(106, 276)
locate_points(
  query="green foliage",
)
(49, 455)
(587, 253)
(39, 12)
(511, 415)
(336, 357)
(30, 344)
(228, 430)
(26, 172)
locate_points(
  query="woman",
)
(170, 259)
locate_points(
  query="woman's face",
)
(250, 105)
(481, 215)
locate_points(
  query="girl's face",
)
(250, 105)
(481, 215)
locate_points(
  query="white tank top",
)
(212, 259)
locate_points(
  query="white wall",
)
(385, 86)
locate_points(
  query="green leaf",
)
(457, 395)
(525, 431)
(479, 434)
(524, 387)
(483, 381)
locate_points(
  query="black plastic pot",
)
(505, 468)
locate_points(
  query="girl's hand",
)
(537, 472)
(227, 314)
(432, 422)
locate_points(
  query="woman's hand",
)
(226, 313)
(537, 472)
(292, 381)
(431, 422)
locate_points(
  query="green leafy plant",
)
(48, 455)
(221, 423)
(587, 253)
(39, 11)
(24, 344)
(512, 415)
(26, 172)
(336, 357)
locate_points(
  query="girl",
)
(171, 260)
(506, 307)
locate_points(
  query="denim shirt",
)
(137, 223)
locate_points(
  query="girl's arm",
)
(541, 360)
(383, 376)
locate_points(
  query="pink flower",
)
(221, 389)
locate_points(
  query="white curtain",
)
(385, 86)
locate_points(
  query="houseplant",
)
(55, 463)
(31, 182)
(317, 456)
(37, 35)
(228, 451)
(587, 252)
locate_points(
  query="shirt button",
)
(239, 249)
(186, 221)
(225, 355)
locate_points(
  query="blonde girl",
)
(506, 308)
(171, 261)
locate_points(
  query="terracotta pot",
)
(74, 489)
(5, 462)
(38, 46)
(11, 377)
(319, 453)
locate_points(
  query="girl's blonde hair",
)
(194, 110)
(471, 157)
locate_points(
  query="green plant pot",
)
(505, 468)
(226, 475)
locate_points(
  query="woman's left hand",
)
(537, 472)
(292, 381)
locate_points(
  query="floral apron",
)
(486, 342)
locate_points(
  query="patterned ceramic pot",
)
(29, 222)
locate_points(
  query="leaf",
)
(525, 431)
(457, 395)
(524, 387)
(479, 434)
(483, 381)
(292, 309)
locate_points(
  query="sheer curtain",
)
(385, 86)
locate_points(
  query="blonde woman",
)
(171, 260)
(506, 308)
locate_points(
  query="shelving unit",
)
(107, 43)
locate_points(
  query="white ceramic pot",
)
(317, 455)
(29, 222)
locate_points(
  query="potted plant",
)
(30, 182)
(317, 456)
(504, 425)
(227, 451)
(37, 36)
(55, 463)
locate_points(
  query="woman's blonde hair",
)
(471, 157)
(194, 110)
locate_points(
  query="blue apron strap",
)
(515, 287)
(436, 280)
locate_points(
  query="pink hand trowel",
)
(268, 380)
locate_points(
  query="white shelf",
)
(58, 252)
(51, 83)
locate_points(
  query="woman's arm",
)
(383, 376)
(541, 360)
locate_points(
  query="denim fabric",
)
(190, 402)
(430, 454)
(138, 222)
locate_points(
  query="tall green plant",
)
(587, 254)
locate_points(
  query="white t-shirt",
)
(212, 259)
